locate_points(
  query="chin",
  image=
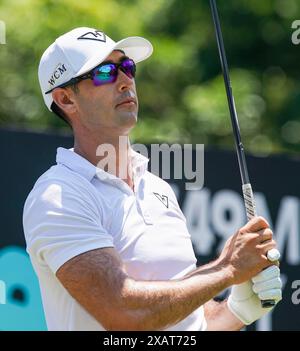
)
(128, 119)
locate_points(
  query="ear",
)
(64, 98)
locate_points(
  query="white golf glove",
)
(244, 300)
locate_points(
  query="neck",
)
(108, 152)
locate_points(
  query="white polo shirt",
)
(75, 207)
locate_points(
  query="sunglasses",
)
(106, 72)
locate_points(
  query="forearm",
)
(159, 304)
(219, 317)
(119, 302)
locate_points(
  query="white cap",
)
(79, 51)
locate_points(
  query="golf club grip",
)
(249, 201)
(251, 212)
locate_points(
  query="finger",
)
(274, 283)
(254, 225)
(273, 294)
(267, 274)
(267, 246)
(265, 235)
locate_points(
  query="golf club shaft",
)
(246, 185)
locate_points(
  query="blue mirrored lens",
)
(108, 73)
(105, 74)
(128, 67)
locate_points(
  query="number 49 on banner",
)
(2, 293)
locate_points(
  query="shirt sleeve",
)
(60, 222)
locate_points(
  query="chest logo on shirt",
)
(162, 198)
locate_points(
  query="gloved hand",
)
(244, 300)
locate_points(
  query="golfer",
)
(107, 238)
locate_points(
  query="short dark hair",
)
(59, 112)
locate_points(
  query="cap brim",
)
(136, 48)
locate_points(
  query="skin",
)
(97, 279)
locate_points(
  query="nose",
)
(124, 82)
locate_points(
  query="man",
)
(108, 254)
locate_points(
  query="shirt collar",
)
(79, 164)
(75, 162)
(139, 164)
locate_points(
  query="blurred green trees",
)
(180, 88)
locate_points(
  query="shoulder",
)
(60, 188)
(60, 178)
(159, 184)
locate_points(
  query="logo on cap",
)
(96, 35)
(58, 72)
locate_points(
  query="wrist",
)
(239, 323)
(227, 272)
(240, 300)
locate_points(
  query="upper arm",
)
(96, 279)
(64, 233)
(62, 221)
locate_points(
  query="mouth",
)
(127, 102)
